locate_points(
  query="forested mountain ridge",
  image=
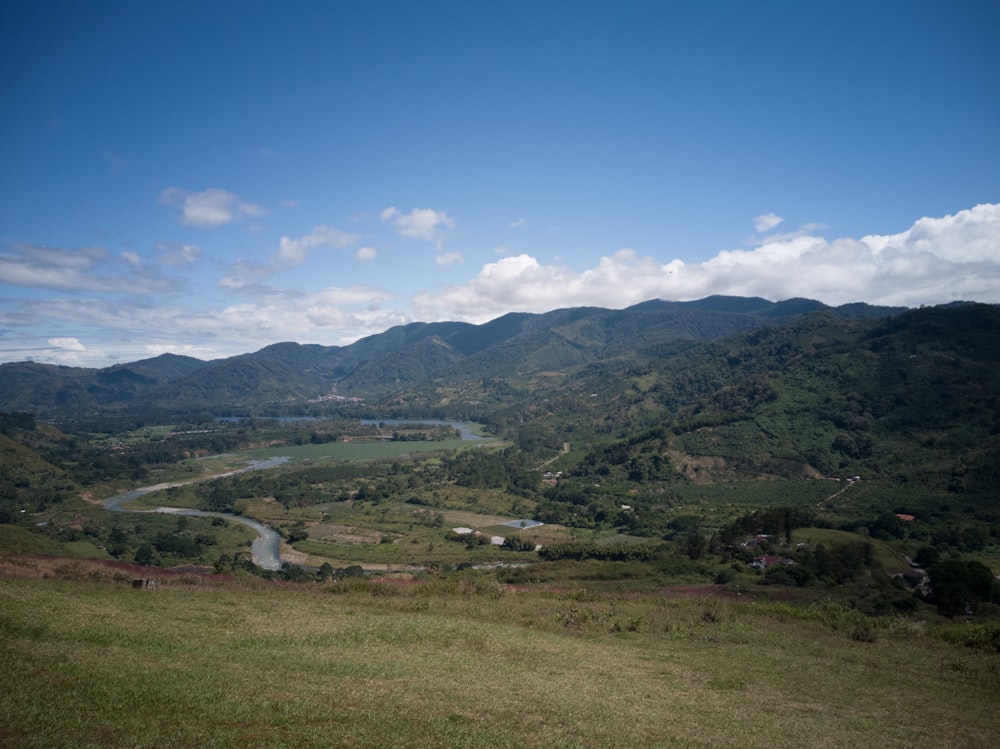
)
(913, 399)
(408, 356)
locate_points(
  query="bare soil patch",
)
(697, 591)
(343, 534)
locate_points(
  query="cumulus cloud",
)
(766, 222)
(366, 253)
(521, 283)
(445, 259)
(69, 344)
(420, 223)
(292, 252)
(935, 261)
(210, 208)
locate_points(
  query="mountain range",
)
(404, 357)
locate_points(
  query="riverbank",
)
(265, 549)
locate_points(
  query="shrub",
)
(858, 626)
(976, 636)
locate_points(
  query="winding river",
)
(265, 546)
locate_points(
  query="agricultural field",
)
(354, 450)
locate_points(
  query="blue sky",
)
(207, 178)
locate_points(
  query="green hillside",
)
(29, 483)
(909, 398)
(90, 662)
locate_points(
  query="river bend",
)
(265, 548)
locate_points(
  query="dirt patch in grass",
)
(698, 591)
(701, 469)
(289, 554)
(757, 592)
(343, 534)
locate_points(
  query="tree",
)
(927, 556)
(511, 543)
(293, 573)
(144, 554)
(958, 586)
(694, 545)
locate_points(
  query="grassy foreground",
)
(464, 663)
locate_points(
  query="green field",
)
(460, 662)
(358, 450)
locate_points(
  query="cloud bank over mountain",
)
(134, 309)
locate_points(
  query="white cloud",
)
(127, 332)
(420, 223)
(366, 253)
(79, 269)
(181, 349)
(937, 260)
(292, 252)
(210, 208)
(243, 273)
(69, 344)
(445, 259)
(516, 223)
(178, 254)
(521, 283)
(766, 222)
